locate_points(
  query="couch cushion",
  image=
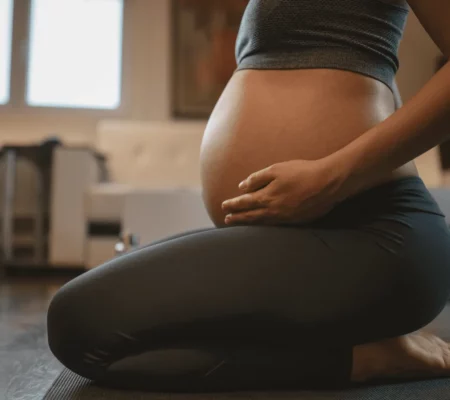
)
(152, 154)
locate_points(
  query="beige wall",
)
(149, 77)
(151, 60)
(418, 55)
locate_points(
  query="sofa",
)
(152, 190)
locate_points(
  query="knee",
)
(69, 334)
(63, 326)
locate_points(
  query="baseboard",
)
(43, 271)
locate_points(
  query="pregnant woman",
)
(327, 260)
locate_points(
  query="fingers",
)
(245, 202)
(258, 179)
(249, 217)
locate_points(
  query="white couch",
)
(149, 214)
(154, 192)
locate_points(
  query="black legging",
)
(259, 307)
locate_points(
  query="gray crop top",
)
(356, 35)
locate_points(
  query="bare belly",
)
(265, 117)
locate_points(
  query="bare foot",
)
(416, 355)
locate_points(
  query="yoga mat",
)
(69, 386)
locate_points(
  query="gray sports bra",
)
(356, 35)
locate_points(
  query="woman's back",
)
(273, 110)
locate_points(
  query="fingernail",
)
(242, 185)
(228, 218)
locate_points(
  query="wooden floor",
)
(27, 368)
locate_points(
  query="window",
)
(6, 9)
(63, 54)
(75, 53)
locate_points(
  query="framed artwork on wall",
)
(204, 37)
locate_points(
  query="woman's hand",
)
(291, 192)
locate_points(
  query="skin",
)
(265, 117)
(269, 117)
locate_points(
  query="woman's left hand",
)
(291, 192)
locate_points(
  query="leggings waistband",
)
(406, 194)
(396, 199)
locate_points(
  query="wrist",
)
(353, 172)
(345, 177)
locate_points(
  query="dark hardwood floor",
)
(27, 367)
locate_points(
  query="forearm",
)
(421, 124)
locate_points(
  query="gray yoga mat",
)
(69, 386)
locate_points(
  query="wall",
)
(151, 60)
(418, 55)
(148, 76)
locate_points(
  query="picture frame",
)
(204, 38)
